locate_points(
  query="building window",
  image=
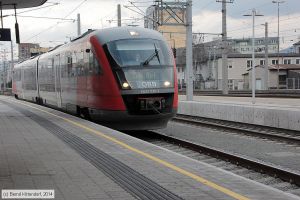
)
(274, 62)
(230, 84)
(297, 61)
(282, 79)
(249, 63)
(287, 61)
(262, 62)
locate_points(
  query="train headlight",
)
(125, 85)
(167, 83)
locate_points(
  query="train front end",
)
(143, 67)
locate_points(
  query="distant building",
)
(244, 45)
(207, 70)
(296, 47)
(239, 65)
(27, 50)
(6, 73)
(168, 19)
(287, 75)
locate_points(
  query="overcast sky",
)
(97, 14)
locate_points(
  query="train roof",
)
(118, 33)
(111, 34)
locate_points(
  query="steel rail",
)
(258, 166)
(246, 129)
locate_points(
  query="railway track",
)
(264, 132)
(274, 93)
(274, 176)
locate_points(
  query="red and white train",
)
(124, 78)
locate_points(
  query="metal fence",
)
(293, 83)
(8, 92)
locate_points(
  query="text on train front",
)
(142, 63)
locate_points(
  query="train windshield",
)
(140, 52)
(144, 63)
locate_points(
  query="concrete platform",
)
(37, 151)
(273, 112)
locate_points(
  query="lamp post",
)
(253, 14)
(278, 6)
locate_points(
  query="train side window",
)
(74, 64)
(80, 63)
(63, 70)
(17, 75)
(69, 65)
(50, 69)
(94, 65)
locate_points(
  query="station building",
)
(208, 73)
(286, 75)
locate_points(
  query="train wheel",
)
(85, 113)
(41, 101)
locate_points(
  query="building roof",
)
(263, 55)
(9, 4)
(285, 67)
(281, 67)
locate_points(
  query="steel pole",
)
(215, 67)
(224, 51)
(253, 58)
(278, 45)
(266, 68)
(4, 71)
(189, 52)
(78, 25)
(119, 16)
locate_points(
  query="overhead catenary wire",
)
(59, 22)
(248, 28)
(39, 17)
(139, 3)
(39, 8)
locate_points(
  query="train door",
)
(22, 82)
(57, 69)
(37, 80)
